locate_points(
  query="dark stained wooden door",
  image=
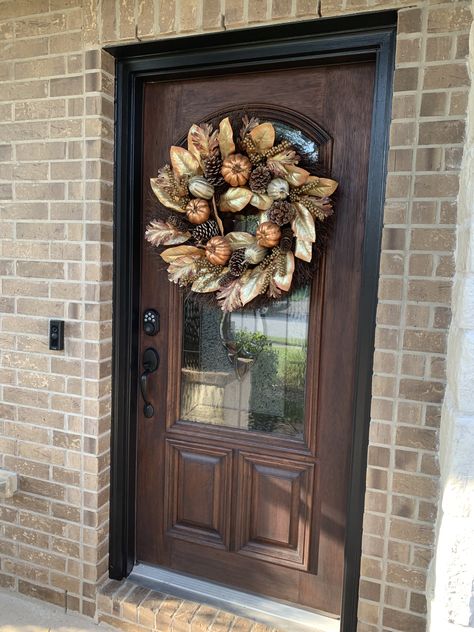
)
(256, 501)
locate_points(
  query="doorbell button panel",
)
(56, 335)
(151, 322)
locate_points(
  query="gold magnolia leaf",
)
(261, 201)
(295, 176)
(238, 239)
(229, 296)
(164, 197)
(235, 199)
(159, 232)
(253, 284)
(255, 253)
(303, 223)
(321, 187)
(283, 281)
(170, 254)
(202, 141)
(183, 162)
(226, 138)
(304, 250)
(183, 269)
(263, 136)
(207, 282)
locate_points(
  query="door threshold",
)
(263, 609)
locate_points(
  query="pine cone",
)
(212, 170)
(203, 232)
(260, 179)
(237, 263)
(286, 240)
(179, 222)
(226, 280)
(281, 212)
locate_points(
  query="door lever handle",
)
(151, 361)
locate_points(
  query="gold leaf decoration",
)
(202, 141)
(254, 283)
(320, 187)
(159, 232)
(164, 197)
(207, 282)
(296, 176)
(277, 163)
(303, 224)
(304, 250)
(255, 253)
(238, 239)
(283, 281)
(263, 136)
(183, 269)
(261, 201)
(170, 254)
(184, 163)
(273, 290)
(235, 199)
(229, 296)
(226, 138)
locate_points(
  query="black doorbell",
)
(56, 335)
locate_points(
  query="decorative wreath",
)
(254, 183)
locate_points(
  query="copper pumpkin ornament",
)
(198, 211)
(236, 170)
(218, 251)
(268, 234)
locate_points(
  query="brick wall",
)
(56, 135)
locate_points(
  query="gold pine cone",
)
(236, 170)
(268, 234)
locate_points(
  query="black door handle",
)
(151, 361)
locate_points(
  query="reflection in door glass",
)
(246, 369)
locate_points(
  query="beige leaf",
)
(207, 282)
(183, 162)
(296, 176)
(261, 201)
(263, 136)
(226, 138)
(238, 239)
(255, 253)
(183, 269)
(235, 199)
(170, 254)
(303, 224)
(202, 140)
(253, 284)
(283, 281)
(160, 233)
(229, 296)
(304, 250)
(321, 187)
(164, 197)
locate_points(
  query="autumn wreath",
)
(252, 185)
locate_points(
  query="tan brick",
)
(441, 132)
(409, 21)
(445, 76)
(397, 620)
(453, 18)
(403, 575)
(434, 104)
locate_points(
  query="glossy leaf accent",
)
(263, 136)
(238, 239)
(254, 283)
(273, 290)
(202, 141)
(321, 187)
(226, 138)
(229, 296)
(183, 269)
(184, 163)
(283, 281)
(159, 232)
(303, 224)
(261, 201)
(216, 216)
(278, 163)
(255, 253)
(235, 199)
(296, 176)
(164, 197)
(170, 254)
(304, 250)
(207, 282)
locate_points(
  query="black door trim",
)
(323, 41)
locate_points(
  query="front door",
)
(243, 467)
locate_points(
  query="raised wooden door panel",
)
(237, 483)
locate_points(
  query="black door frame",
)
(334, 40)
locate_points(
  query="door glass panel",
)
(246, 369)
